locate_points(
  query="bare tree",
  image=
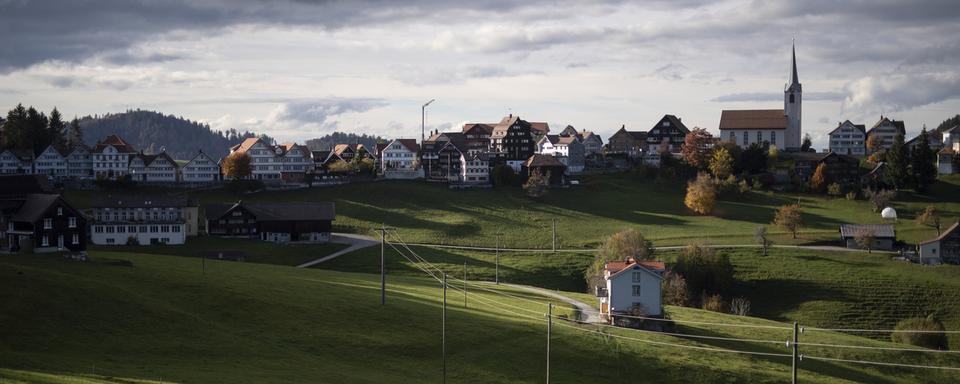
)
(762, 238)
(930, 217)
(865, 239)
(740, 306)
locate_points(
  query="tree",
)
(740, 306)
(879, 198)
(873, 143)
(74, 134)
(674, 289)
(56, 128)
(503, 175)
(898, 173)
(341, 167)
(773, 153)
(754, 159)
(930, 217)
(763, 238)
(807, 145)
(789, 218)
(237, 166)
(865, 239)
(36, 133)
(618, 247)
(834, 189)
(922, 164)
(721, 164)
(15, 128)
(701, 194)
(819, 179)
(366, 165)
(537, 184)
(704, 270)
(695, 149)
(930, 333)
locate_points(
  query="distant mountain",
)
(327, 142)
(151, 131)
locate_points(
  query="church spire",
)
(795, 79)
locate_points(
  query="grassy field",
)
(585, 214)
(254, 251)
(162, 319)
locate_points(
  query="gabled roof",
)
(674, 122)
(21, 154)
(478, 128)
(898, 124)
(567, 140)
(879, 230)
(860, 127)
(587, 135)
(320, 156)
(77, 147)
(944, 234)
(245, 145)
(149, 159)
(116, 142)
(340, 149)
(58, 151)
(541, 160)
(408, 144)
(536, 128)
(636, 135)
(753, 119)
(199, 154)
(615, 268)
(34, 206)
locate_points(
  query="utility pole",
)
(549, 331)
(423, 120)
(554, 235)
(497, 272)
(383, 265)
(796, 328)
(443, 330)
(464, 283)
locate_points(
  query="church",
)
(778, 127)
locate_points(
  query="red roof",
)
(753, 119)
(116, 142)
(617, 266)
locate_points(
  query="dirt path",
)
(355, 241)
(588, 314)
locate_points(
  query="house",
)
(476, 168)
(876, 178)
(477, 137)
(883, 235)
(79, 162)
(934, 141)
(943, 249)
(567, 149)
(16, 161)
(842, 169)
(285, 162)
(592, 143)
(669, 131)
(947, 161)
(885, 131)
(51, 163)
(111, 158)
(141, 220)
(296, 161)
(758, 126)
(950, 137)
(157, 168)
(514, 139)
(399, 155)
(200, 169)
(276, 222)
(347, 152)
(547, 165)
(631, 143)
(39, 223)
(849, 139)
(631, 284)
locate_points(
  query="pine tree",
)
(924, 172)
(75, 134)
(14, 128)
(898, 172)
(55, 129)
(36, 136)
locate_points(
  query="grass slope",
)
(162, 319)
(585, 214)
(255, 251)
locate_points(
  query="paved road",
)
(356, 242)
(588, 314)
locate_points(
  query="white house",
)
(50, 163)
(143, 220)
(885, 131)
(475, 168)
(849, 139)
(79, 162)
(631, 283)
(592, 143)
(200, 169)
(15, 161)
(568, 149)
(275, 162)
(153, 168)
(398, 160)
(111, 158)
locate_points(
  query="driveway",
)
(588, 314)
(355, 242)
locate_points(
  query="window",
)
(636, 290)
(745, 138)
(97, 229)
(110, 241)
(110, 229)
(76, 239)
(636, 277)
(154, 229)
(773, 137)
(47, 223)
(121, 229)
(143, 229)
(791, 98)
(175, 228)
(45, 241)
(733, 136)
(759, 136)
(59, 211)
(164, 228)
(132, 229)
(237, 213)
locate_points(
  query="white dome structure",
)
(888, 213)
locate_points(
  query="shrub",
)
(701, 195)
(743, 186)
(834, 190)
(852, 195)
(762, 238)
(879, 198)
(503, 175)
(537, 184)
(935, 340)
(740, 306)
(674, 289)
(704, 270)
(714, 303)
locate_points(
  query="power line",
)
(708, 323)
(877, 348)
(881, 363)
(875, 330)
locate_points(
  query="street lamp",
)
(423, 120)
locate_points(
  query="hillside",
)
(128, 317)
(150, 131)
(326, 142)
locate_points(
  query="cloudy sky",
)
(298, 69)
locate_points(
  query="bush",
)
(740, 306)
(537, 184)
(701, 195)
(879, 198)
(934, 340)
(674, 289)
(852, 195)
(714, 303)
(704, 270)
(743, 186)
(834, 190)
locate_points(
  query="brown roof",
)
(410, 144)
(537, 128)
(566, 140)
(753, 119)
(653, 267)
(480, 128)
(540, 128)
(944, 234)
(116, 142)
(245, 145)
(898, 124)
(539, 160)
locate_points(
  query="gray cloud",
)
(319, 110)
(898, 92)
(772, 96)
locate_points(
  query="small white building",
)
(79, 163)
(200, 169)
(849, 139)
(475, 169)
(568, 149)
(111, 158)
(159, 168)
(143, 220)
(51, 163)
(399, 159)
(631, 283)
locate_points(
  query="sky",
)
(299, 69)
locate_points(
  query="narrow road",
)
(667, 248)
(588, 314)
(355, 241)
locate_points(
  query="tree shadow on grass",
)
(773, 298)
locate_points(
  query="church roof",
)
(753, 119)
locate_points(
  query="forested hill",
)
(327, 142)
(150, 131)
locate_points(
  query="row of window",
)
(134, 229)
(45, 240)
(48, 222)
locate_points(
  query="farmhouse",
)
(40, 222)
(568, 149)
(669, 132)
(153, 168)
(399, 159)
(849, 139)
(111, 158)
(884, 131)
(943, 249)
(631, 143)
(883, 235)
(142, 220)
(51, 162)
(842, 169)
(514, 139)
(276, 222)
(200, 169)
(631, 284)
(547, 165)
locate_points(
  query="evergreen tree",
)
(921, 163)
(807, 145)
(55, 129)
(898, 158)
(14, 128)
(36, 137)
(74, 135)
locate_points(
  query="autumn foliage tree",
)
(701, 195)
(929, 217)
(819, 179)
(695, 150)
(721, 164)
(788, 217)
(619, 246)
(237, 166)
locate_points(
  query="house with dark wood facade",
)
(842, 169)
(35, 220)
(669, 131)
(276, 222)
(631, 143)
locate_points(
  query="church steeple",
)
(792, 102)
(794, 79)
